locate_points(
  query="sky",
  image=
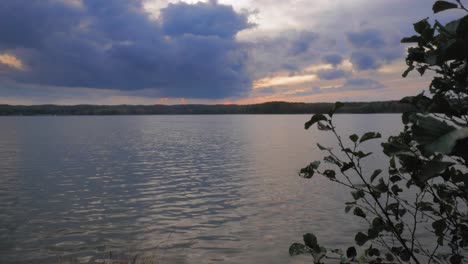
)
(211, 52)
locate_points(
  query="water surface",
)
(183, 189)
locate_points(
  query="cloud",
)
(363, 60)
(191, 52)
(333, 59)
(288, 51)
(283, 80)
(370, 38)
(11, 61)
(371, 48)
(332, 74)
(203, 19)
(303, 42)
(361, 84)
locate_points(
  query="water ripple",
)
(188, 189)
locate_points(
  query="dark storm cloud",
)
(371, 49)
(302, 42)
(333, 59)
(367, 39)
(363, 60)
(203, 19)
(190, 53)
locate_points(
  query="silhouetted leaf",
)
(347, 166)
(396, 189)
(309, 171)
(323, 127)
(378, 224)
(358, 194)
(395, 178)
(310, 240)
(432, 169)
(369, 136)
(456, 259)
(389, 257)
(421, 26)
(351, 252)
(354, 137)
(331, 174)
(412, 39)
(335, 108)
(315, 118)
(405, 255)
(332, 160)
(298, 249)
(322, 147)
(359, 212)
(425, 206)
(373, 252)
(361, 238)
(439, 227)
(440, 6)
(375, 174)
(361, 154)
(407, 71)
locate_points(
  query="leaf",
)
(315, 118)
(347, 166)
(361, 154)
(335, 108)
(369, 136)
(421, 26)
(358, 212)
(361, 238)
(440, 6)
(348, 208)
(319, 255)
(382, 187)
(425, 206)
(331, 174)
(412, 39)
(432, 169)
(311, 241)
(375, 174)
(439, 227)
(396, 189)
(354, 138)
(422, 70)
(407, 71)
(405, 255)
(389, 257)
(323, 127)
(351, 252)
(395, 178)
(322, 147)
(378, 224)
(309, 171)
(332, 160)
(358, 194)
(456, 259)
(373, 252)
(298, 249)
(446, 143)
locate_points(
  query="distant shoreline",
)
(380, 107)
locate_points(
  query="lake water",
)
(178, 189)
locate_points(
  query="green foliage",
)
(426, 185)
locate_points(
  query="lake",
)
(178, 189)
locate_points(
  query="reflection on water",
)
(186, 189)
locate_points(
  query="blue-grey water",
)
(176, 189)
